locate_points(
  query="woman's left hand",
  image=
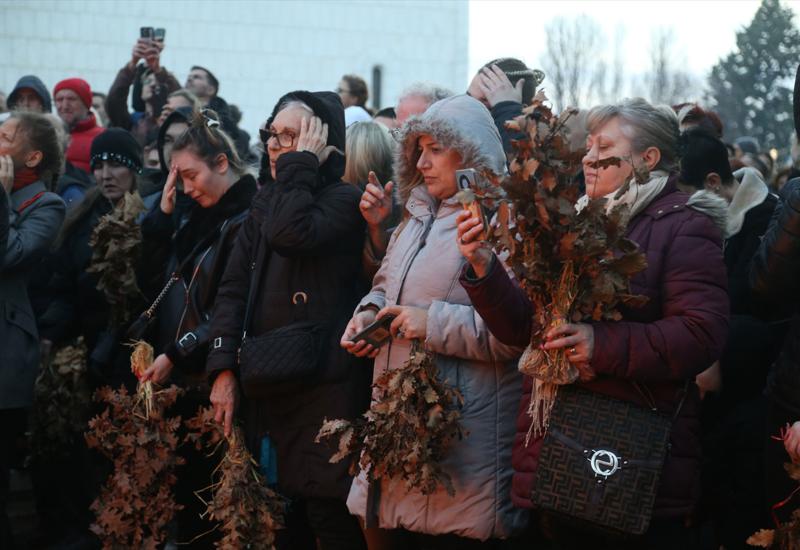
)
(159, 371)
(314, 138)
(578, 338)
(409, 323)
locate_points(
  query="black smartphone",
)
(159, 34)
(377, 334)
(146, 32)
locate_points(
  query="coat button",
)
(660, 212)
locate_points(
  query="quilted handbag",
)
(601, 461)
(284, 354)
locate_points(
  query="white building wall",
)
(258, 49)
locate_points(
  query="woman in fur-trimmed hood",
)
(418, 282)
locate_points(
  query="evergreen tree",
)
(752, 86)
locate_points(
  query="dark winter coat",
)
(502, 113)
(117, 101)
(679, 333)
(204, 244)
(75, 307)
(775, 279)
(308, 221)
(33, 218)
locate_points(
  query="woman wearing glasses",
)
(301, 249)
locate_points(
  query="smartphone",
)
(159, 34)
(146, 32)
(377, 334)
(467, 180)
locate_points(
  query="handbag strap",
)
(648, 398)
(150, 312)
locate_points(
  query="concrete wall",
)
(258, 49)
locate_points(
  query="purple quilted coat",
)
(678, 334)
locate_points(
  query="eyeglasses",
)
(342, 91)
(285, 139)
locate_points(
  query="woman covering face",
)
(301, 246)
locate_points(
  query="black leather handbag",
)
(284, 354)
(601, 461)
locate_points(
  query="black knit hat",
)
(118, 145)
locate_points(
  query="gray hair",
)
(369, 147)
(293, 102)
(645, 125)
(430, 92)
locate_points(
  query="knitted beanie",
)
(118, 145)
(77, 85)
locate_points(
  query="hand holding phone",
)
(376, 334)
(466, 180)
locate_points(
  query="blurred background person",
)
(30, 94)
(354, 93)
(156, 84)
(73, 97)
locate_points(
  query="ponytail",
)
(206, 139)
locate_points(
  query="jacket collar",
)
(86, 124)
(422, 205)
(25, 194)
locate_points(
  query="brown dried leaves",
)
(247, 511)
(407, 431)
(62, 401)
(544, 234)
(136, 502)
(115, 242)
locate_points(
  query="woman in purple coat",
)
(679, 332)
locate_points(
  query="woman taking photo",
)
(190, 261)
(296, 267)
(663, 345)
(418, 283)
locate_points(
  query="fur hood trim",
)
(459, 122)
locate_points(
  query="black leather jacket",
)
(196, 254)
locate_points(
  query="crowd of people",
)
(339, 216)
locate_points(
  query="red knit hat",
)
(77, 85)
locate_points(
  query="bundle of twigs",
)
(61, 403)
(407, 431)
(136, 502)
(574, 264)
(115, 243)
(247, 512)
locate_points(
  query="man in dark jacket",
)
(305, 235)
(156, 84)
(205, 86)
(775, 279)
(30, 94)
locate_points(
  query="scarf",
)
(637, 197)
(23, 178)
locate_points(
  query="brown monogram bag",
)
(601, 461)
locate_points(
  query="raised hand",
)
(497, 88)
(376, 201)
(314, 138)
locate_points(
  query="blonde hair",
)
(368, 147)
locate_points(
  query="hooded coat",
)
(310, 229)
(679, 333)
(421, 269)
(32, 82)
